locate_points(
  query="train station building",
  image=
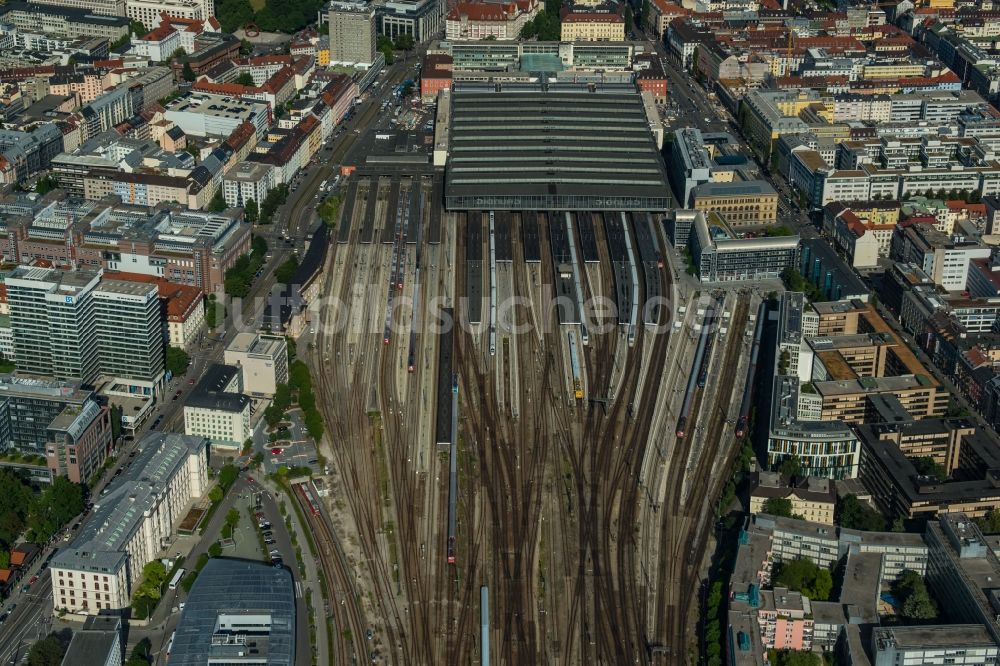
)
(553, 146)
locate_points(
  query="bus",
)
(176, 580)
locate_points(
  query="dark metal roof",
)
(565, 146)
(210, 392)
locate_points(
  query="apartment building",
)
(742, 204)
(248, 181)
(352, 32)
(217, 408)
(263, 360)
(580, 26)
(945, 259)
(76, 325)
(131, 525)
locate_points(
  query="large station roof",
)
(574, 148)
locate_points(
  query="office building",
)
(64, 20)
(113, 8)
(812, 498)
(131, 525)
(206, 115)
(352, 32)
(741, 204)
(76, 325)
(836, 281)
(796, 321)
(963, 571)
(263, 360)
(825, 448)
(421, 19)
(721, 256)
(150, 12)
(959, 644)
(967, 456)
(591, 26)
(238, 613)
(489, 20)
(690, 165)
(217, 408)
(100, 642)
(945, 259)
(60, 421)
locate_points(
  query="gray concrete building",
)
(352, 32)
(77, 325)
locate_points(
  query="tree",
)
(385, 47)
(115, 414)
(286, 271)
(216, 494)
(211, 311)
(274, 199)
(926, 466)
(188, 73)
(915, 600)
(233, 14)
(177, 360)
(404, 42)
(46, 184)
(137, 28)
(257, 460)
(273, 415)
(795, 574)
(245, 79)
(989, 524)
(218, 202)
(778, 506)
(790, 466)
(140, 654)
(4, 558)
(47, 652)
(227, 476)
(250, 211)
(246, 47)
(820, 587)
(329, 210)
(56, 505)
(16, 500)
(215, 549)
(282, 395)
(855, 514)
(794, 658)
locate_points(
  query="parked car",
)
(269, 542)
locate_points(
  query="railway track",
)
(686, 525)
